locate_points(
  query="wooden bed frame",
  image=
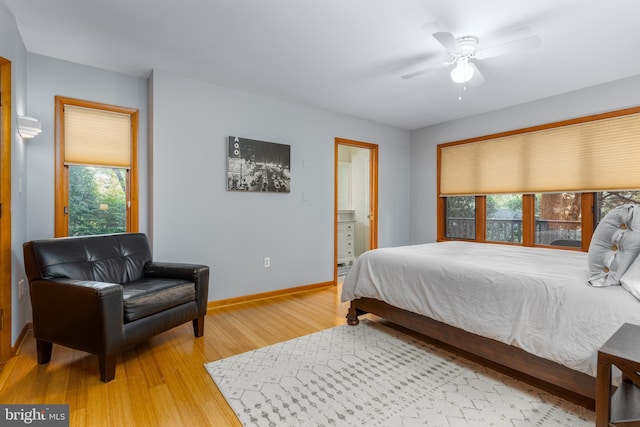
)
(572, 385)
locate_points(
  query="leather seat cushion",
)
(145, 297)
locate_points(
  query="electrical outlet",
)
(267, 262)
(20, 288)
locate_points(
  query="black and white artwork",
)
(254, 165)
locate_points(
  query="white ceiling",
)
(345, 56)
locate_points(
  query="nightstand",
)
(346, 242)
(621, 408)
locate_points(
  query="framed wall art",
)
(260, 166)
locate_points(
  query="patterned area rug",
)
(370, 375)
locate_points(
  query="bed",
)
(526, 309)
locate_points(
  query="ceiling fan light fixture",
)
(463, 72)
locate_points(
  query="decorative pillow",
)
(614, 246)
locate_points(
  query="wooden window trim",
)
(61, 224)
(588, 224)
(528, 220)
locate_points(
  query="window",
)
(96, 168)
(461, 217)
(607, 200)
(541, 185)
(504, 218)
(558, 219)
(97, 200)
(589, 154)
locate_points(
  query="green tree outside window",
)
(97, 200)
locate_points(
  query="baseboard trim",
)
(264, 295)
(21, 338)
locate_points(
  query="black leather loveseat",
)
(100, 294)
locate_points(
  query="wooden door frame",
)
(5, 217)
(373, 196)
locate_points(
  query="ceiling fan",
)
(463, 50)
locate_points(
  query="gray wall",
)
(48, 77)
(593, 100)
(12, 48)
(196, 219)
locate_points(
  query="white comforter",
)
(534, 298)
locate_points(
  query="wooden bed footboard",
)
(572, 385)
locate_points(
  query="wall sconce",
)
(28, 127)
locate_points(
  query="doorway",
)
(356, 202)
(5, 211)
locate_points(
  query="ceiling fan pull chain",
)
(461, 88)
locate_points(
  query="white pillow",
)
(630, 280)
(614, 246)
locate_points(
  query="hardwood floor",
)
(162, 382)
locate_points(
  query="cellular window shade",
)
(597, 155)
(96, 137)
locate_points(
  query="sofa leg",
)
(43, 350)
(198, 326)
(107, 366)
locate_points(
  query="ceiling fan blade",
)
(416, 73)
(526, 43)
(426, 70)
(447, 40)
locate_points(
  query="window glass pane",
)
(504, 218)
(461, 217)
(97, 200)
(558, 219)
(607, 200)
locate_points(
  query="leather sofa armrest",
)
(66, 309)
(196, 273)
